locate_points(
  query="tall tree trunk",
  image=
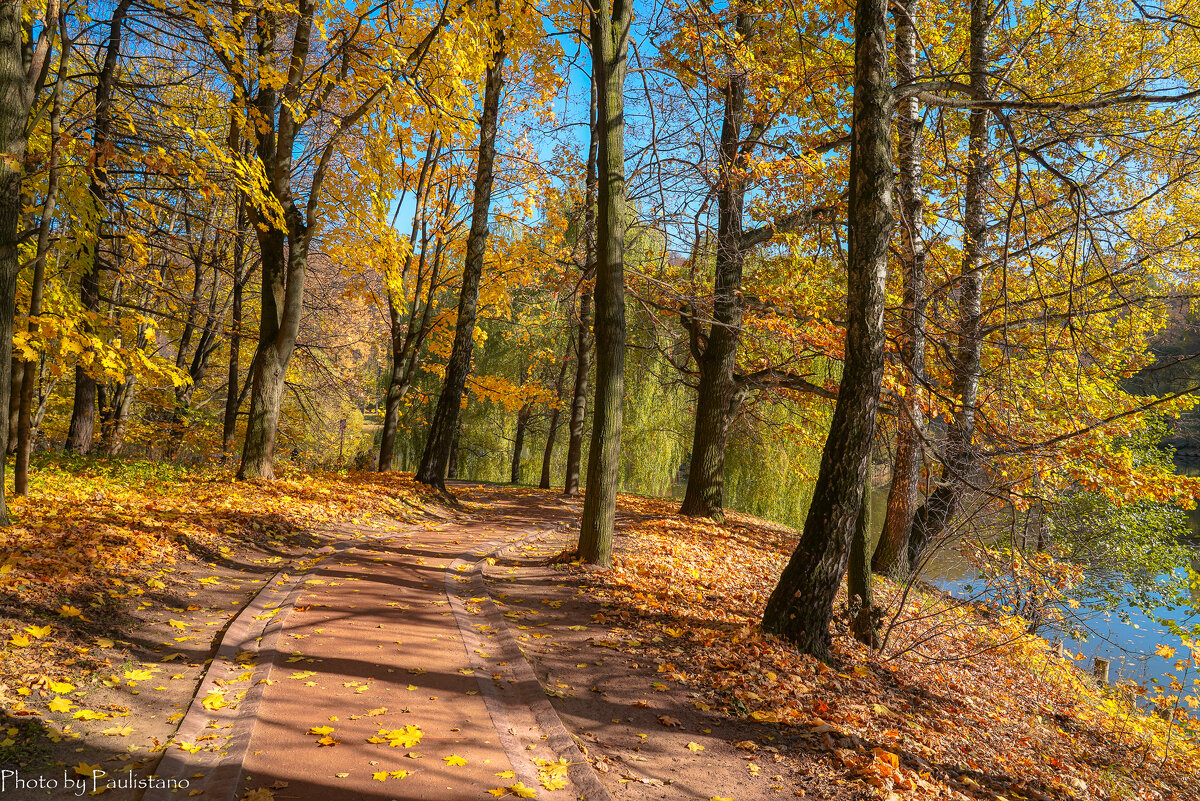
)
(959, 458)
(397, 389)
(801, 606)
(514, 472)
(610, 45)
(233, 395)
(38, 283)
(718, 397)
(904, 496)
(406, 334)
(583, 336)
(859, 589)
(284, 253)
(555, 419)
(452, 461)
(83, 412)
(445, 418)
(114, 404)
(14, 111)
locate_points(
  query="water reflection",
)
(1126, 636)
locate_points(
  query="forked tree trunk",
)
(83, 411)
(718, 397)
(904, 495)
(801, 606)
(277, 339)
(609, 44)
(958, 457)
(407, 333)
(434, 458)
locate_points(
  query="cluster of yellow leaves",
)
(398, 738)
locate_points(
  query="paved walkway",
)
(382, 673)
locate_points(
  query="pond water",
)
(1126, 636)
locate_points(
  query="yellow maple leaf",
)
(214, 700)
(117, 731)
(66, 610)
(19, 640)
(454, 759)
(695, 747)
(402, 738)
(321, 731)
(138, 675)
(84, 769)
(179, 624)
(521, 791)
(60, 704)
(37, 632)
(379, 775)
(60, 686)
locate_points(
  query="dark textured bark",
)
(114, 404)
(452, 462)
(904, 495)
(284, 253)
(718, 396)
(865, 616)
(14, 108)
(445, 417)
(23, 70)
(958, 457)
(234, 395)
(397, 388)
(555, 420)
(514, 472)
(30, 369)
(583, 331)
(579, 393)
(609, 44)
(83, 411)
(801, 606)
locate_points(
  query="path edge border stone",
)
(558, 736)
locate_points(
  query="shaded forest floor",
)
(118, 579)
(962, 704)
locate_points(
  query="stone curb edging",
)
(222, 770)
(558, 737)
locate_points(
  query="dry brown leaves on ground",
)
(998, 718)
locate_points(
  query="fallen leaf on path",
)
(260, 794)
